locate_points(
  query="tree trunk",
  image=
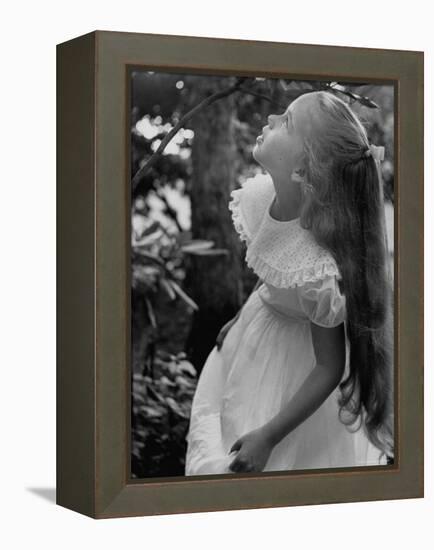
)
(214, 282)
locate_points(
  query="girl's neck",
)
(287, 203)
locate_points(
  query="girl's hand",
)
(254, 449)
(222, 334)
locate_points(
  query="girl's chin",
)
(257, 158)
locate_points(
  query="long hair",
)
(345, 212)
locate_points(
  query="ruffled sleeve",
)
(239, 217)
(322, 302)
(248, 204)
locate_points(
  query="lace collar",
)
(281, 253)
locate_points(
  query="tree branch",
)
(138, 176)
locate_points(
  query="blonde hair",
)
(345, 212)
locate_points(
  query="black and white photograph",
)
(261, 274)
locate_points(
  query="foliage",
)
(161, 403)
(157, 263)
(163, 387)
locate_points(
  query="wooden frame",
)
(93, 269)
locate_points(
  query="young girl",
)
(303, 378)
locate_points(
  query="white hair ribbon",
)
(377, 152)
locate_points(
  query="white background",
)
(29, 33)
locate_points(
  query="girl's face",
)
(279, 148)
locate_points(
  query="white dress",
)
(268, 351)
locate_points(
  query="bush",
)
(161, 405)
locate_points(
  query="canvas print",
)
(262, 274)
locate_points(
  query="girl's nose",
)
(271, 120)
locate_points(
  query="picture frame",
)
(93, 240)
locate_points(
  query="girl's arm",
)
(329, 347)
(257, 285)
(222, 334)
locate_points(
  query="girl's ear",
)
(298, 175)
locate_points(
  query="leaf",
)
(175, 407)
(164, 283)
(197, 245)
(368, 102)
(149, 256)
(150, 229)
(139, 398)
(186, 366)
(166, 382)
(183, 295)
(145, 272)
(150, 311)
(363, 100)
(148, 239)
(155, 395)
(183, 383)
(150, 412)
